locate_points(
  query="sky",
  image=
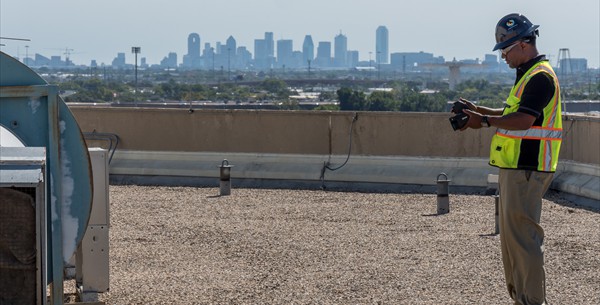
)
(461, 29)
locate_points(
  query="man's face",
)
(512, 54)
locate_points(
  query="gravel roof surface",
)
(185, 245)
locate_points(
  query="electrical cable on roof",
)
(326, 165)
(111, 138)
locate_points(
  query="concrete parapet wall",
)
(387, 147)
(581, 139)
(285, 132)
(313, 132)
(578, 178)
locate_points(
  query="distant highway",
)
(314, 82)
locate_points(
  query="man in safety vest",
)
(525, 148)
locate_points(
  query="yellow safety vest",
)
(505, 149)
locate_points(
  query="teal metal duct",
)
(33, 111)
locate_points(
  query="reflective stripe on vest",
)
(533, 133)
(506, 144)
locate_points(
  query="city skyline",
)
(100, 30)
(231, 57)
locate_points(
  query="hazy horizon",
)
(461, 29)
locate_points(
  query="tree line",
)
(396, 96)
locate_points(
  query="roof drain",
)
(327, 164)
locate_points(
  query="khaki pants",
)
(521, 236)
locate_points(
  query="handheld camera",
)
(460, 119)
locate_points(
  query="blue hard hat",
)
(512, 28)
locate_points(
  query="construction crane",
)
(67, 54)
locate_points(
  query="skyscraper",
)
(323, 58)
(270, 44)
(118, 62)
(231, 44)
(382, 50)
(340, 50)
(194, 45)
(192, 58)
(308, 50)
(260, 50)
(264, 52)
(170, 61)
(285, 52)
(244, 57)
(209, 56)
(352, 59)
(260, 54)
(230, 51)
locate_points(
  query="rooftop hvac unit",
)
(22, 225)
(50, 201)
(91, 257)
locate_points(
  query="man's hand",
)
(474, 119)
(471, 106)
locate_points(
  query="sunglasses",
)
(507, 49)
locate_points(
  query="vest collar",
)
(526, 66)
